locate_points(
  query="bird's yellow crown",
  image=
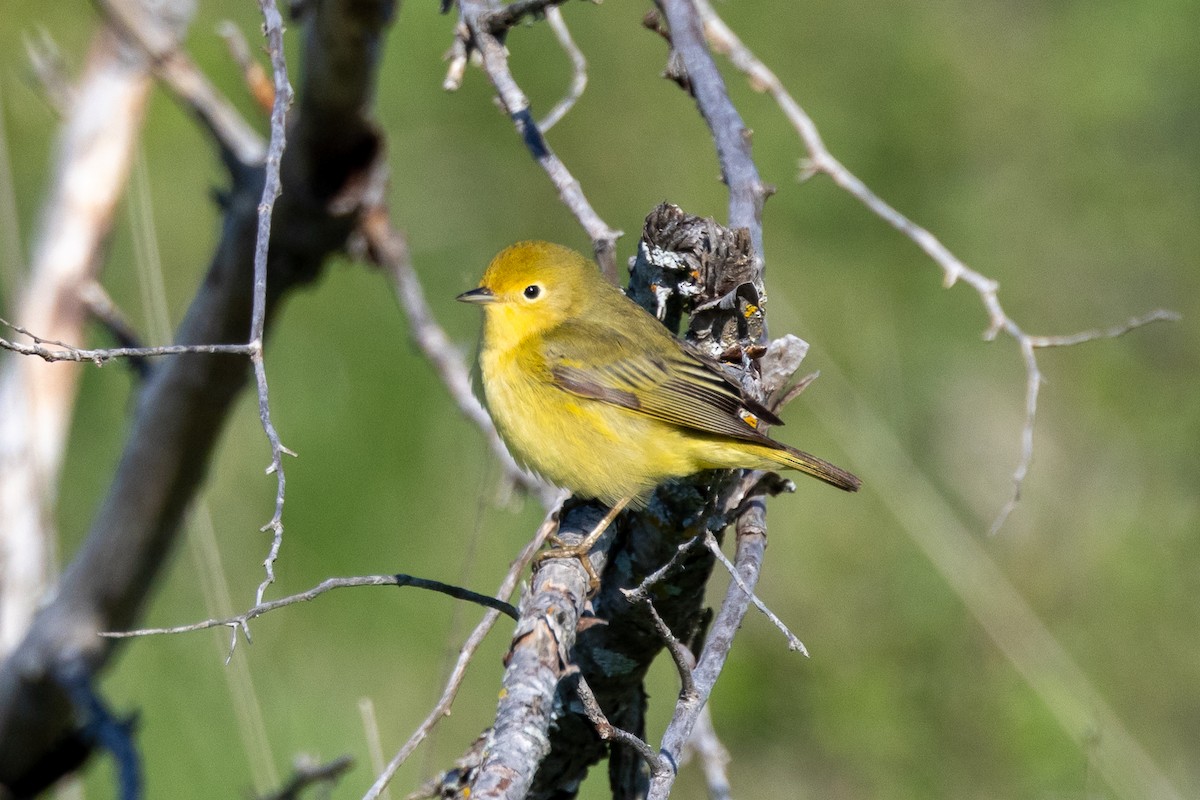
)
(531, 287)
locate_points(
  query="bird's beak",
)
(482, 296)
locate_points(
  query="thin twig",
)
(794, 643)
(609, 732)
(820, 161)
(66, 352)
(679, 654)
(442, 708)
(642, 588)
(273, 29)
(1158, 315)
(478, 16)
(240, 621)
(579, 76)
(747, 192)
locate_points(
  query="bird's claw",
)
(579, 551)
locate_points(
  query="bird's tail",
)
(819, 468)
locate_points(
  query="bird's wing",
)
(672, 382)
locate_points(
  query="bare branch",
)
(66, 352)
(821, 161)
(683, 660)
(538, 658)
(477, 16)
(610, 732)
(442, 708)
(183, 405)
(641, 591)
(751, 542)
(579, 76)
(327, 585)
(794, 643)
(273, 29)
(1158, 315)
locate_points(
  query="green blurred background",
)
(1053, 146)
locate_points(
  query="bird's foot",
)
(579, 551)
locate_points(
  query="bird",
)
(595, 395)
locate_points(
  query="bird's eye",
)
(532, 291)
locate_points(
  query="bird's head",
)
(532, 287)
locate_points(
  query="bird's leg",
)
(582, 549)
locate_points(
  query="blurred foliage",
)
(1053, 146)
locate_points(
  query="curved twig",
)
(481, 21)
(329, 584)
(273, 28)
(579, 76)
(821, 161)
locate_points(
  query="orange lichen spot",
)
(751, 310)
(748, 418)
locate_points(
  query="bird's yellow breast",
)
(598, 449)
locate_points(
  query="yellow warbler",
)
(596, 395)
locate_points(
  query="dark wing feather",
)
(674, 384)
